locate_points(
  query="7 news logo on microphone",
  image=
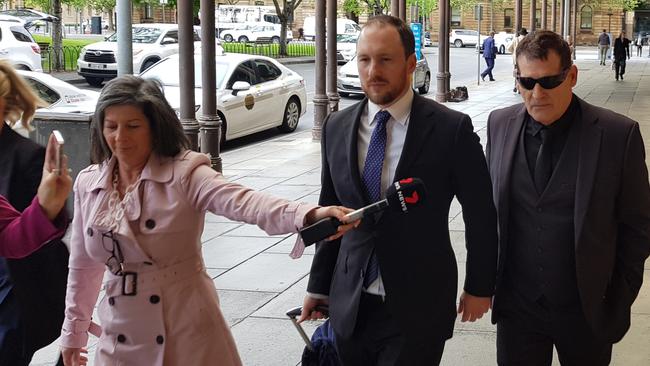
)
(406, 193)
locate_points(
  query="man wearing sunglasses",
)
(573, 203)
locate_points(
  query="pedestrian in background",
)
(639, 45)
(621, 54)
(376, 277)
(573, 203)
(32, 289)
(489, 54)
(603, 46)
(513, 49)
(139, 216)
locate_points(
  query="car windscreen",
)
(167, 72)
(140, 35)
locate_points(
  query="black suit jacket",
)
(418, 265)
(612, 210)
(32, 289)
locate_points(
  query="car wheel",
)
(458, 43)
(291, 115)
(502, 49)
(243, 39)
(275, 40)
(344, 95)
(228, 38)
(147, 64)
(425, 87)
(93, 81)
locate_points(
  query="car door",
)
(240, 110)
(171, 48)
(270, 93)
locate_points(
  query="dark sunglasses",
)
(547, 82)
(115, 262)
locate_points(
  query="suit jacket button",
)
(154, 299)
(160, 339)
(111, 301)
(150, 224)
(121, 338)
(89, 232)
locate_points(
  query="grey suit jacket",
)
(612, 210)
(414, 250)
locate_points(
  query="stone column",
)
(186, 65)
(320, 98)
(442, 77)
(209, 119)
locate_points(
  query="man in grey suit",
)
(391, 283)
(573, 204)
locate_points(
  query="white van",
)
(343, 26)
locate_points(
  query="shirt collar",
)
(399, 111)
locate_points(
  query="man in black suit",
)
(573, 203)
(32, 289)
(391, 283)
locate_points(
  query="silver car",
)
(348, 82)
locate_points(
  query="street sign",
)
(163, 2)
(416, 28)
(478, 12)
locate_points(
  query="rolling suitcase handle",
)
(294, 313)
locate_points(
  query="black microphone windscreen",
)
(405, 194)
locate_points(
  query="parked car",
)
(346, 47)
(251, 32)
(151, 43)
(254, 93)
(464, 37)
(17, 45)
(29, 16)
(348, 82)
(56, 92)
(343, 26)
(60, 96)
(427, 39)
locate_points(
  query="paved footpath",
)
(258, 282)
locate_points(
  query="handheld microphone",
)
(401, 196)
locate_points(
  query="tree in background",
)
(353, 8)
(285, 14)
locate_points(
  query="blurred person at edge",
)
(621, 54)
(139, 215)
(513, 49)
(32, 289)
(44, 219)
(573, 203)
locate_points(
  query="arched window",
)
(585, 17)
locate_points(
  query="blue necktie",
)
(372, 180)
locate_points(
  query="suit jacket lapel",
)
(351, 133)
(510, 141)
(421, 124)
(589, 148)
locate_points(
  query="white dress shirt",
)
(396, 128)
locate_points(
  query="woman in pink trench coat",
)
(138, 221)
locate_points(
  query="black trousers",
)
(528, 330)
(377, 341)
(619, 67)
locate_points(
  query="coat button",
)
(150, 224)
(111, 301)
(121, 338)
(160, 339)
(154, 299)
(89, 232)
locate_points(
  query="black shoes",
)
(483, 77)
(492, 80)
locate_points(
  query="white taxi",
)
(254, 93)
